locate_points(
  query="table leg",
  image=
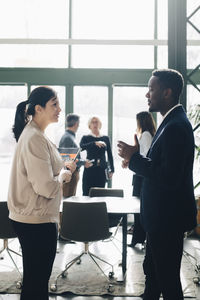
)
(124, 242)
(121, 276)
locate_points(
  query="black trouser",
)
(93, 177)
(139, 234)
(162, 265)
(38, 243)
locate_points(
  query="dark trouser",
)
(93, 177)
(139, 234)
(38, 243)
(162, 265)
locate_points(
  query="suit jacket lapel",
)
(163, 124)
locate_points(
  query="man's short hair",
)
(71, 120)
(172, 79)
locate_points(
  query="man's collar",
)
(72, 132)
(177, 105)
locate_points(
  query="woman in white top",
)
(145, 131)
(35, 190)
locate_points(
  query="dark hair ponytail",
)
(21, 119)
(39, 96)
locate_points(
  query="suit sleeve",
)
(85, 145)
(166, 165)
(110, 156)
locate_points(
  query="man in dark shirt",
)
(68, 140)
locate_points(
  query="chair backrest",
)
(105, 192)
(84, 221)
(6, 229)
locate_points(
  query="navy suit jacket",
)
(167, 197)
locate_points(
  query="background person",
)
(35, 190)
(145, 131)
(168, 207)
(68, 140)
(96, 146)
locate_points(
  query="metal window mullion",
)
(155, 33)
(177, 39)
(110, 120)
(70, 34)
(194, 12)
(71, 41)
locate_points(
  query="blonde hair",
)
(96, 118)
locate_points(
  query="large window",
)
(97, 54)
(83, 34)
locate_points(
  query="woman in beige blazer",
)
(35, 189)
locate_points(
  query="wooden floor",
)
(191, 245)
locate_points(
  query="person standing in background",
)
(34, 193)
(96, 146)
(168, 207)
(68, 140)
(145, 132)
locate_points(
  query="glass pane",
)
(162, 57)
(193, 99)
(91, 101)
(193, 96)
(113, 19)
(193, 56)
(192, 34)
(113, 56)
(10, 96)
(34, 19)
(49, 56)
(56, 130)
(128, 101)
(191, 6)
(163, 19)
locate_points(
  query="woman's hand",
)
(65, 176)
(88, 163)
(100, 144)
(71, 165)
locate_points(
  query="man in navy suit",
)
(168, 208)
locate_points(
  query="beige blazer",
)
(34, 193)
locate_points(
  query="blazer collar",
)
(172, 114)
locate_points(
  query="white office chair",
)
(84, 222)
(6, 233)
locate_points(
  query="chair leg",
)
(93, 256)
(191, 259)
(67, 266)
